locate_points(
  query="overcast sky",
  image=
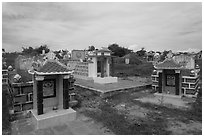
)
(155, 26)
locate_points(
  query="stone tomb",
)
(52, 83)
(95, 66)
(176, 76)
(101, 60)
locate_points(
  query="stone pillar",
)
(66, 92)
(177, 82)
(112, 66)
(102, 65)
(160, 81)
(39, 94)
(108, 67)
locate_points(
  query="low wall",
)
(190, 84)
(23, 96)
(81, 69)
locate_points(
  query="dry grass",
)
(122, 122)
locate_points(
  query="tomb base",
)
(105, 80)
(52, 118)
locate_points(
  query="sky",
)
(154, 26)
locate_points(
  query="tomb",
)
(100, 69)
(92, 65)
(51, 85)
(178, 75)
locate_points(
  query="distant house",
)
(132, 58)
(127, 59)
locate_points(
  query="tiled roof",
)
(53, 67)
(168, 64)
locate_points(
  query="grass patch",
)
(118, 123)
(142, 70)
(155, 122)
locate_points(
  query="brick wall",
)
(155, 82)
(189, 85)
(4, 76)
(23, 96)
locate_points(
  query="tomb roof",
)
(53, 67)
(168, 63)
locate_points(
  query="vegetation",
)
(156, 120)
(6, 126)
(141, 52)
(9, 58)
(35, 51)
(119, 51)
(91, 48)
(142, 70)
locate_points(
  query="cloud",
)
(191, 50)
(155, 26)
(135, 47)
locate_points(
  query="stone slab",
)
(53, 118)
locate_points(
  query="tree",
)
(28, 51)
(41, 48)
(91, 48)
(163, 56)
(141, 52)
(37, 51)
(119, 51)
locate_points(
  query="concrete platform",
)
(52, 118)
(105, 80)
(113, 88)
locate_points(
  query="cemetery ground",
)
(125, 114)
(128, 112)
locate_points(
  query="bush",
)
(197, 105)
